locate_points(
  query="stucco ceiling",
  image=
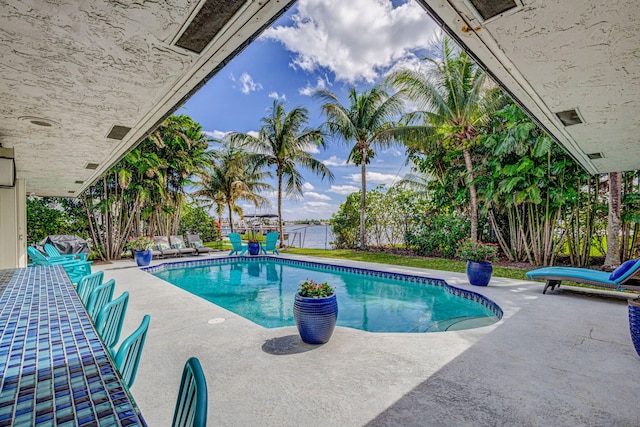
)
(555, 56)
(82, 67)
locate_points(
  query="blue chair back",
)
(271, 242)
(87, 284)
(110, 321)
(99, 297)
(236, 242)
(52, 251)
(36, 256)
(191, 407)
(128, 356)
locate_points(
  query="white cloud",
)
(216, 134)
(309, 90)
(335, 161)
(277, 96)
(307, 186)
(253, 133)
(344, 190)
(248, 85)
(357, 40)
(376, 178)
(317, 204)
(311, 149)
(315, 196)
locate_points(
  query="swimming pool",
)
(262, 289)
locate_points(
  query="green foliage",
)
(48, 216)
(312, 289)
(438, 234)
(253, 237)
(345, 223)
(476, 251)
(140, 243)
(195, 220)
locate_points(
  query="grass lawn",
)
(407, 261)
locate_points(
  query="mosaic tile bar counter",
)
(54, 370)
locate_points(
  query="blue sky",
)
(329, 44)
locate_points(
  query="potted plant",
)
(141, 249)
(253, 237)
(479, 257)
(634, 322)
(315, 310)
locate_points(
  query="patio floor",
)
(561, 359)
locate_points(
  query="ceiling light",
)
(118, 132)
(487, 9)
(39, 121)
(570, 117)
(212, 16)
(92, 166)
(7, 168)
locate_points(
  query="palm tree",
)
(452, 95)
(282, 143)
(232, 178)
(367, 123)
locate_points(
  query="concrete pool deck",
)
(560, 359)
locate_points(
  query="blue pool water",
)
(262, 289)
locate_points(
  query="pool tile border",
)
(464, 293)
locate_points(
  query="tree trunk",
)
(280, 227)
(363, 200)
(230, 216)
(613, 221)
(473, 198)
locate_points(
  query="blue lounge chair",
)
(271, 243)
(53, 252)
(236, 242)
(75, 269)
(615, 280)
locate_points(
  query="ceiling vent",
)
(71, 192)
(570, 117)
(118, 132)
(79, 182)
(92, 166)
(212, 16)
(486, 10)
(594, 156)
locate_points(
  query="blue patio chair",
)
(99, 297)
(191, 407)
(128, 355)
(75, 269)
(87, 284)
(53, 252)
(271, 243)
(615, 280)
(236, 242)
(110, 321)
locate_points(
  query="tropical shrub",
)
(438, 234)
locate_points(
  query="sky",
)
(317, 44)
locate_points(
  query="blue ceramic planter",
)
(634, 323)
(479, 273)
(254, 248)
(315, 318)
(142, 257)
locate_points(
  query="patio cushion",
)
(618, 272)
(163, 246)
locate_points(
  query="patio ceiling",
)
(84, 82)
(559, 56)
